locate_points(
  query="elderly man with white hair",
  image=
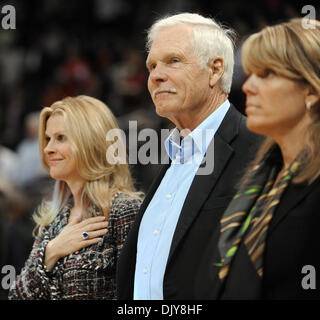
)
(190, 62)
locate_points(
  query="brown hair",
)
(292, 51)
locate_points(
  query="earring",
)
(308, 105)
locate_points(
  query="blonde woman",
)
(269, 238)
(81, 231)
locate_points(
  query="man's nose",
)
(158, 74)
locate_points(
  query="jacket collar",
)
(218, 151)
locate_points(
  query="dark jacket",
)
(209, 195)
(292, 243)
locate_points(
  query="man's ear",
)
(216, 69)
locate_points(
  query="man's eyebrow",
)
(166, 56)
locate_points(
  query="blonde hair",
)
(87, 122)
(290, 50)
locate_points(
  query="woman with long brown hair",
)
(270, 231)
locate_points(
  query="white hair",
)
(210, 40)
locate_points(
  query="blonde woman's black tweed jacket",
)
(85, 274)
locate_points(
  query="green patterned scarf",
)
(249, 213)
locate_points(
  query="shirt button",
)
(169, 196)
(145, 271)
(155, 232)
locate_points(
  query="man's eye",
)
(175, 60)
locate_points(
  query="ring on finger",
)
(85, 235)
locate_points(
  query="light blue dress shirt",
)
(161, 216)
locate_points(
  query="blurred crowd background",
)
(94, 47)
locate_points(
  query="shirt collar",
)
(198, 140)
(172, 144)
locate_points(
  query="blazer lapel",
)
(203, 185)
(291, 198)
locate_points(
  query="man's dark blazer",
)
(209, 195)
(292, 242)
